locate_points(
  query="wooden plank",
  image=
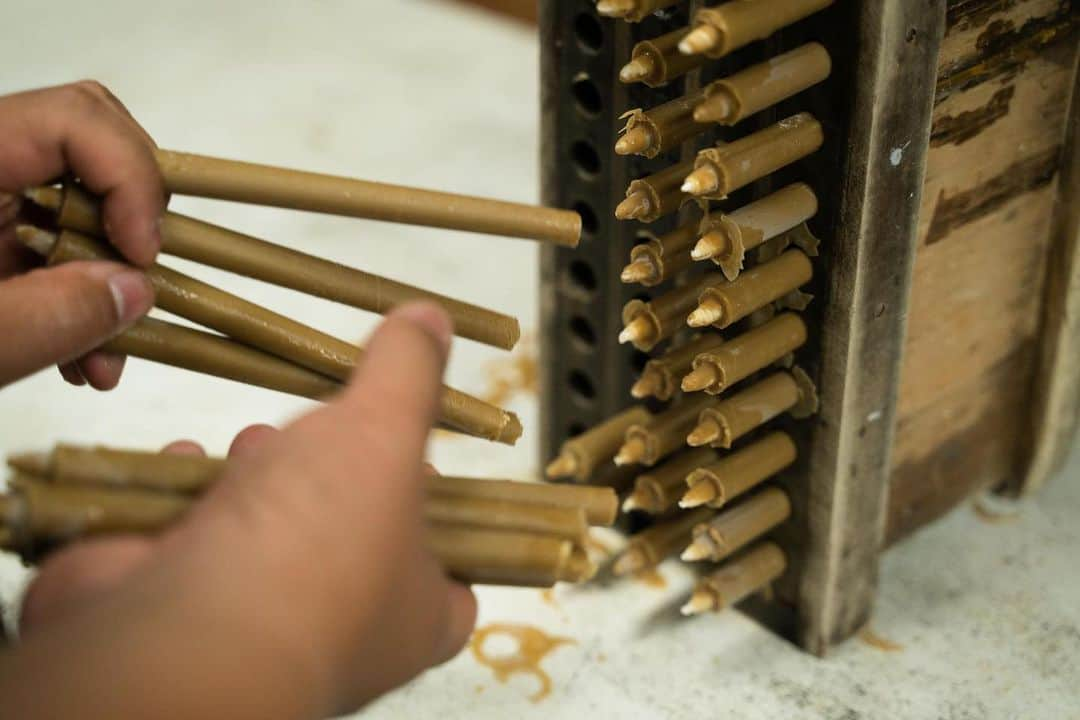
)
(1004, 79)
(1055, 402)
(523, 10)
(869, 271)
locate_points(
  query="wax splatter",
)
(533, 645)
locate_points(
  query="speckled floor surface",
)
(976, 618)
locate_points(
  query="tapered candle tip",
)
(635, 332)
(703, 434)
(699, 378)
(579, 567)
(704, 315)
(38, 240)
(639, 499)
(637, 69)
(614, 8)
(645, 386)
(563, 466)
(701, 39)
(639, 271)
(700, 602)
(709, 246)
(701, 182)
(632, 451)
(714, 109)
(30, 463)
(46, 197)
(631, 561)
(633, 207)
(700, 494)
(699, 549)
(635, 140)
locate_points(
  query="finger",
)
(72, 577)
(248, 440)
(109, 97)
(399, 380)
(60, 314)
(71, 373)
(102, 370)
(184, 447)
(460, 621)
(46, 133)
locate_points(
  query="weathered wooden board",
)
(1004, 82)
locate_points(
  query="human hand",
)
(59, 315)
(300, 586)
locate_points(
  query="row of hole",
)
(580, 278)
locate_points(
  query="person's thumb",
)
(58, 314)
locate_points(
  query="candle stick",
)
(660, 376)
(658, 490)
(718, 369)
(657, 130)
(726, 237)
(725, 303)
(488, 557)
(658, 61)
(74, 465)
(648, 323)
(660, 258)
(737, 579)
(732, 529)
(188, 174)
(719, 482)
(648, 444)
(655, 196)
(222, 248)
(190, 349)
(736, 97)
(259, 327)
(722, 423)
(601, 504)
(580, 456)
(717, 31)
(652, 545)
(721, 170)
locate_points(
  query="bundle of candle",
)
(496, 532)
(710, 501)
(263, 348)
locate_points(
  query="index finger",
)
(78, 129)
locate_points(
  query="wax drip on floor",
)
(533, 645)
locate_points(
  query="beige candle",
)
(657, 542)
(725, 303)
(732, 475)
(724, 422)
(721, 170)
(718, 369)
(188, 174)
(657, 62)
(661, 376)
(657, 130)
(647, 324)
(733, 529)
(727, 237)
(226, 249)
(655, 196)
(666, 433)
(736, 97)
(729, 26)
(580, 456)
(660, 258)
(660, 489)
(737, 579)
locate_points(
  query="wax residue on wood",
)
(871, 638)
(513, 375)
(533, 645)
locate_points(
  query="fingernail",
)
(132, 294)
(432, 319)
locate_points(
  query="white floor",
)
(983, 618)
